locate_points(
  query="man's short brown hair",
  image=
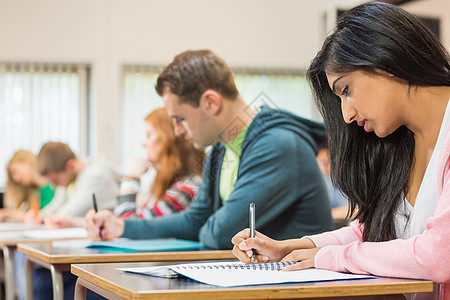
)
(191, 73)
(54, 157)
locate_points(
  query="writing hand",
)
(111, 226)
(267, 249)
(30, 217)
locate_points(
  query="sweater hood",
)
(311, 131)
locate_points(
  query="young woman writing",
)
(382, 84)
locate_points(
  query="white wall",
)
(436, 9)
(110, 33)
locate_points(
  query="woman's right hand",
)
(105, 222)
(267, 249)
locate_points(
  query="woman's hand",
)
(267, 249)
(305, 258)
(31, 217)
(103, 225)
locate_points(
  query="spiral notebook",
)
(228, 274)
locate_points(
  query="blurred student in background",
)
(338, 202)
(178, 168)
(24, 186)
(79, 179)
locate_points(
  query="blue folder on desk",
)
(146, 245)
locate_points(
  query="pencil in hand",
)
(96, 210)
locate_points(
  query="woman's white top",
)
(411, 220)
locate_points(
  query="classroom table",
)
(8, 243)
(58, 260)
(105, 280)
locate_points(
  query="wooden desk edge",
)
(265, 292)
(125, 257)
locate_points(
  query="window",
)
(284, 89)
(279, 89)
(39, 103)
(139, 98)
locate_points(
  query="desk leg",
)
(10, 284)
(82, 285)
(56, 272)
(58, 283)
(80, 290)
(29, 279)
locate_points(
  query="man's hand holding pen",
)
(103, 222)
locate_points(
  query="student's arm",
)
(270, 177)
(341, 236)
(424, 256)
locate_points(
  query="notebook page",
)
(228, 274)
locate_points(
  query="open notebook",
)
(126, 245)
(229, 274)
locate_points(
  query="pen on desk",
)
(252, 227)
(96, 210)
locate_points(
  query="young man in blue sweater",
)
(265, 157)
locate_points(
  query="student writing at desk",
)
(27, 191)
(266, 157)
(382, 83)
(338, 201)
(24, 186)
(77, 180)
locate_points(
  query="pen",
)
(252, 227)
(35, 208)
(96, 210)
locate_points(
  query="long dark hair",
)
(374, 172)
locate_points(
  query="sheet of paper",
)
(76, 244)
(10, 235)
(62, 233)
(17, 226)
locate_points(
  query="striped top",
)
(176, 198)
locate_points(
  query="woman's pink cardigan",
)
(424, 256)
